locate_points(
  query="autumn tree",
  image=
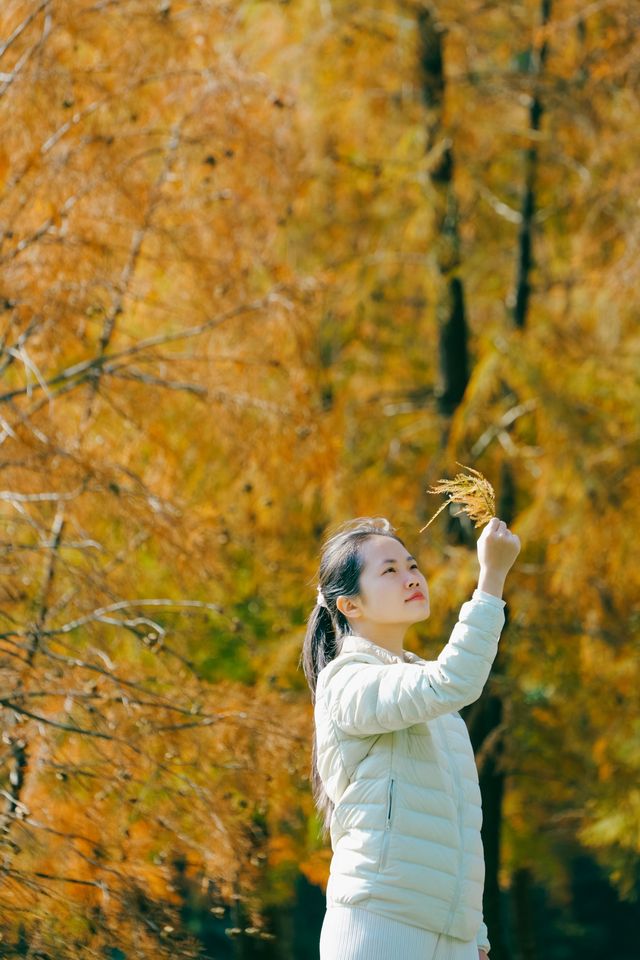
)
(537, 105)
(152, 336)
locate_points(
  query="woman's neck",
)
(390, 636)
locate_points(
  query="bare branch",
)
(71, 728)
(136, 245)
(19, 30)
(82, 371)
(505, 420)
(56, 536)
(100, 612)
(148, 378)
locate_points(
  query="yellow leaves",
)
(616, 826)
(282, 849)
(5, 166)
(601, 755)
(315, 867)
(277, 152)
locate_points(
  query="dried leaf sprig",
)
(474, 493)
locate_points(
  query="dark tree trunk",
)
(537, 59)
(525, 238)
(452, 326)
(484, 719)
(450, 306)
(523, 914)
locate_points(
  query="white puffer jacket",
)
(396, 760)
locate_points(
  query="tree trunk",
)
(450, 306)
(525, 239)
(523, 915)
(487, 720)
(484, 720)
(537, 59)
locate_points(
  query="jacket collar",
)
(354, 644)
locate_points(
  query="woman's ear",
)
(349, 607)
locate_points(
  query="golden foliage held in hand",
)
(474, 493)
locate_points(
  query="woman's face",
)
(390, 578)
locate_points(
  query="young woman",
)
(393, 772)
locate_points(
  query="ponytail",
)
(318, 650)
(319, 647)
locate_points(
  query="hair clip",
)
(320, 600)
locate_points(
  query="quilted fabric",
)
(396, 760)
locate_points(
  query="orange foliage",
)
(218, 335)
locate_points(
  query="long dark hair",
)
(341, 564)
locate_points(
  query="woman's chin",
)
(419, 615)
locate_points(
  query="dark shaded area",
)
(483, 719)
(593, 924)
(292, 931)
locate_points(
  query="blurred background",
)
(264, 267)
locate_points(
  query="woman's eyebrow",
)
(395, 561)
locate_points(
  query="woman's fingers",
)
(498, 525)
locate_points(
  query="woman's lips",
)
(415, 596)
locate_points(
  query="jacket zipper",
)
(458, 788)
(387, 827)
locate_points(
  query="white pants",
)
(352, 933)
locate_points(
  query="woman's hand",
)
(482, 955)
(497, 551)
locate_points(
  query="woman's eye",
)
(390, 570)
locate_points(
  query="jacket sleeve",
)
(482, 938)
(365, 698)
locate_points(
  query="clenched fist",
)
(497, 551)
